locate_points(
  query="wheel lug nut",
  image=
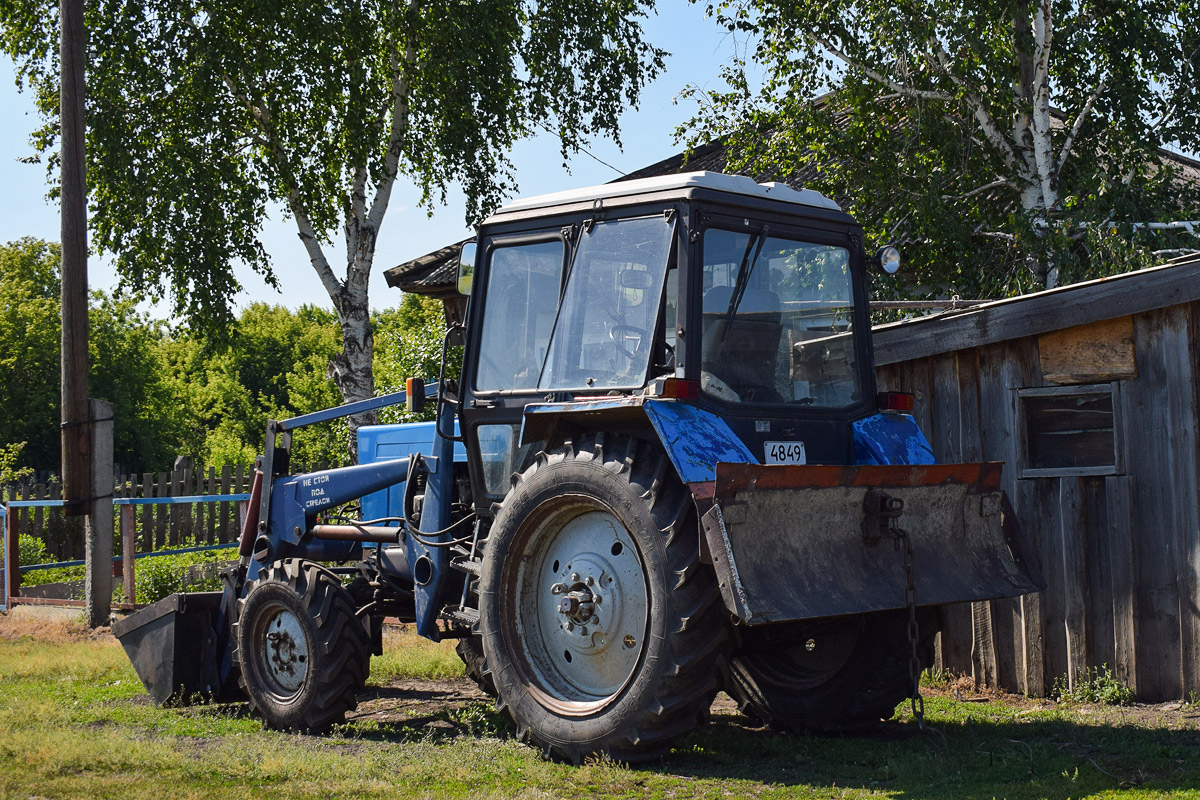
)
(575, 577)
(594, 620)
(558, 588)
(570, 625)
(590, 580)
(583, 630)
(595, 598)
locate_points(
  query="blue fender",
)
(695, 440)
(891, 438)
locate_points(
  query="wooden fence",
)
(158, 526)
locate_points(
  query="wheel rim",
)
(812, 654)
(282, 651)
(581, 606)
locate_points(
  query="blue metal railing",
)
(137, 556)
(120, 501)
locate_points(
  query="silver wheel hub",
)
(584, 606)
(285, 650)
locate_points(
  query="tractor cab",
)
(752, 297)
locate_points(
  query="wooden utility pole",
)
(76, 416)
(86, 462)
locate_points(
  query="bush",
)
(32, 550)
(1097, 685)
(160, 576)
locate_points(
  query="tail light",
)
(895, 401)
(674, 389)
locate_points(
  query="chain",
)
(880, 515)
(914, 633)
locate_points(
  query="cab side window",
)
(520, 303)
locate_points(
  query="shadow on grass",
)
(972, 757)
(978, 758)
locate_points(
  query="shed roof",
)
(433, 274)
(1041, 312)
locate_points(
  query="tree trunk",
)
(352, 369)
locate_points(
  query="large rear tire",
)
(303, 653)
(470, 650)
(837, 674)
(601, 628)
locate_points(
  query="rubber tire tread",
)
(340, 647)
(860, 694)
(470, 650)
(667, 701)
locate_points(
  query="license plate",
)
(784, 453)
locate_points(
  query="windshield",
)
(604, 333)
(778, 320)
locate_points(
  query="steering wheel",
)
(621, 333)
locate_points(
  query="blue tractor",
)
(664, 471)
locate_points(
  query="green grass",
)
(408, 656)
(75, 722)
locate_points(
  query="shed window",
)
(1071, 430)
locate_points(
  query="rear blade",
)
(787, 542)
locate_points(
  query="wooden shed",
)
(1089, 393)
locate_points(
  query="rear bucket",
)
(174, 647)
(788, 542)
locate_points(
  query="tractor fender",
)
(695, 440)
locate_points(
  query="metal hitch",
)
(799, 542)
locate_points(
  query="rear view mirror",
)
(636, 279)
(466, 267)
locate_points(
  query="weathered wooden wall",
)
(1121, 553)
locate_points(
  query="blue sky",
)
(698, 47)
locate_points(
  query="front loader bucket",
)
(800, 542)
(175, 647)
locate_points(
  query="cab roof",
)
(681, 183)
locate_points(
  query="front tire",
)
(303, 653)
(602, 630)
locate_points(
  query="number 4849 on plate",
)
(784, 453)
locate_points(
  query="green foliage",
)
(9, 471)
(180, 392)
(124, 364)
(200, 118)
(31, 550)
(408, 344)
(29, 348)
(1005, 146)
(1096, 685)
(273, 365)
(159, 576)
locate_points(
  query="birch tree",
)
(202, 113)
(1010, 144)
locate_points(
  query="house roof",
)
(1041, 312)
